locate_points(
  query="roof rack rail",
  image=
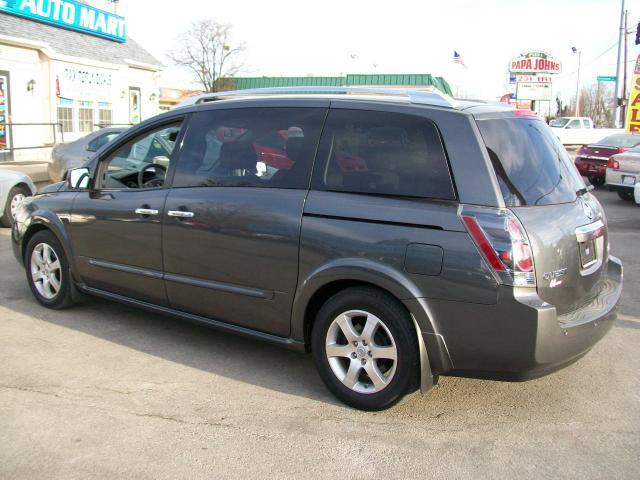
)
(424, 97)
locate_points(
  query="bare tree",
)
(596, 102)
(204, 48)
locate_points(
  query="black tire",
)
(596, 181)
(62, 298)
(7, 218)
(399, 324)
(624, 195)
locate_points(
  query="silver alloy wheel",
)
(46, 271)
(361, 351)
(15, 201)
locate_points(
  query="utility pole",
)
(623, 109)
(622, 34)
(579, 52)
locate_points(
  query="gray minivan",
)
(396, 235)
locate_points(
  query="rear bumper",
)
(591, 168)
(522, 337)
(620, 188)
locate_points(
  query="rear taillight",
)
(613, 163)
(503, 242)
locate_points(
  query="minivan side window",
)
(250, 147)
(382, 153)
(142, 162)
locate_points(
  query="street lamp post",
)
(579, 52)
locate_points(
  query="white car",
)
(14, 187)
(636, 193)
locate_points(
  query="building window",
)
(65, 118)
(104, 117)
(86, 119)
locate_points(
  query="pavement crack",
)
(176, 419)
(32, 390)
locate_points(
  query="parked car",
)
(623, 172)
(579, 130)
(14, 188)
(66, 156)
(465, 243)
(591, 160)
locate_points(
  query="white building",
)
(67, 63)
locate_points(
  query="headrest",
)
(295, 148)
(238, 156)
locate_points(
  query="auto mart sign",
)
(69, 14)
(535, 63)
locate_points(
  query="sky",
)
(285, 38)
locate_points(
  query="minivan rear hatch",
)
(565, 223)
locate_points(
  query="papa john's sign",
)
(535, 63)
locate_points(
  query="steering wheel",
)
(159, 172)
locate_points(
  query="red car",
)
(591, 160)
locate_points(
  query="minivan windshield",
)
(531, 165)
(559, 122)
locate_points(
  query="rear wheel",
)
(48, 271)
(365, 348)
(624, 195)
(16, 195)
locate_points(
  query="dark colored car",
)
(66, 156)
(408, 236)
(591, 160)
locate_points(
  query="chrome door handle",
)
(180, 214)
(146, 211)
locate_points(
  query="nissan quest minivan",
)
(396, 235)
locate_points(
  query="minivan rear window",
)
(531, 165)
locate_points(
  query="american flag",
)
(457, 58)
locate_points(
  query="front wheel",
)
(48, 271)
(365, 348)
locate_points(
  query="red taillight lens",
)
(483, 243)
(613, 163)
(503, 242)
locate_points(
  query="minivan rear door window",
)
(382, 153)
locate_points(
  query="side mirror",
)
(91, 147)
(78, 178)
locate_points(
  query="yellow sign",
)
(633, 110)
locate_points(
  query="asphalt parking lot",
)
(103, 390)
